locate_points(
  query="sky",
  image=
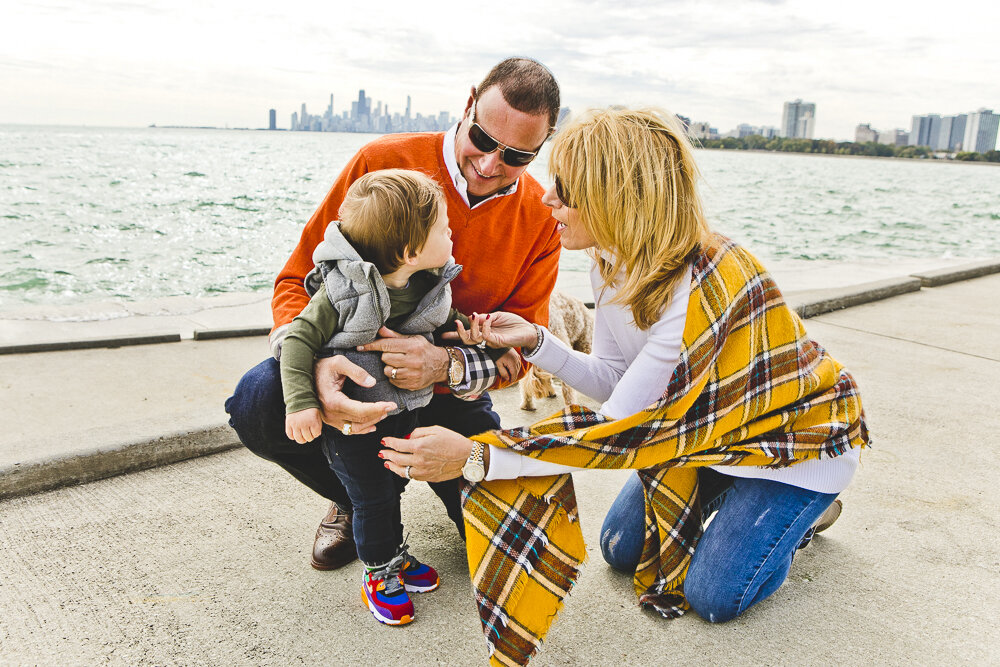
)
(224, 63)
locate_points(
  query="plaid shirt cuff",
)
(480, 374)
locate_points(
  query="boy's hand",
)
(509, 366)
(304, 426)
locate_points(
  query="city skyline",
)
(728, 63)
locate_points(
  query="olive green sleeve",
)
(307, 333)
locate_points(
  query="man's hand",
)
(411, 362)
(340, 411)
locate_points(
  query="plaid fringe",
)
(750, 389)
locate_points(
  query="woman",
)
(710, 388)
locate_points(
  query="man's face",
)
(486, 173)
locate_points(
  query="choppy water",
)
(90, 214)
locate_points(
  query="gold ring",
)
(347, 428)
(392, 375)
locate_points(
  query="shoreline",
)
(114, 324)
(844, 155)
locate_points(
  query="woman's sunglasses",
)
(561, 193)
(484, 143)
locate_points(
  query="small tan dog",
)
(571, 321)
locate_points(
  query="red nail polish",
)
(381, 455)
(488, 316)
(407, 436)
(386, 464)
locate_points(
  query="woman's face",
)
(572, 233)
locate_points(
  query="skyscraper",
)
(272, 120)
(798, 120)
(981, 131)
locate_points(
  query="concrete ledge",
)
(816, 302)
(955, 274)
(22, 479)
(214, 334)
(89, 343)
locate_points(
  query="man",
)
(504, 237)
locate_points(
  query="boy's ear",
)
(409, 257)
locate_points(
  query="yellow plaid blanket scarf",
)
(750, 389)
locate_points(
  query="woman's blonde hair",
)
(632, 176)
(387, 212)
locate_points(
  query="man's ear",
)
(468, 104)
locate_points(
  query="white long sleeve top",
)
(628, 371)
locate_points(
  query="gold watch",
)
(474, 469)
(456, 367)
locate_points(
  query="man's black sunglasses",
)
(512, 157)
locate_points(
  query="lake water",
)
(98, 214)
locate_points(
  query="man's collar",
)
(456, 174)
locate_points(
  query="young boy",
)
(386, 262)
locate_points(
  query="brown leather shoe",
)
(334, 546)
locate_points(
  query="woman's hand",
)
(499, 329)
(432, 453)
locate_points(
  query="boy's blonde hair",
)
(388, 213)
(632, 176)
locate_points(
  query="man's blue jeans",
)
(257, 414)
(745, 552)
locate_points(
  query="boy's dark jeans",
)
(257, 414)
(374, 490)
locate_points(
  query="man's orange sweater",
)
(509, 245)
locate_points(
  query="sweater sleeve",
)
(289, 293)
(307, 333)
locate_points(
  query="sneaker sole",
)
(413, 588)
(382, 619)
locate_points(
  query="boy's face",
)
(437, 247)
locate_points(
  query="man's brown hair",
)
(527, 85)
(389, 212)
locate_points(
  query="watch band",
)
(455, 366)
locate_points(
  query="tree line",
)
(830, 147)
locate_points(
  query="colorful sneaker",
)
(384, 594)
(417, 577)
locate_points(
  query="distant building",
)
(981, 131)
(744, 130)
(894, 137)
(864, 134)
(925, 130)
(957, 135)
(368, 115)
(272, 120)
(702, 131)
(798, 120)
(563, 116)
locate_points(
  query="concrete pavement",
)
(206, 561)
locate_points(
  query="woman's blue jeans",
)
(745, 552)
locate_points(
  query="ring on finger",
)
(407, 472)
(392, 375)
(347, 428)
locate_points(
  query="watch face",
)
(474, 472)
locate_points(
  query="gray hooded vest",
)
(358, 293)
